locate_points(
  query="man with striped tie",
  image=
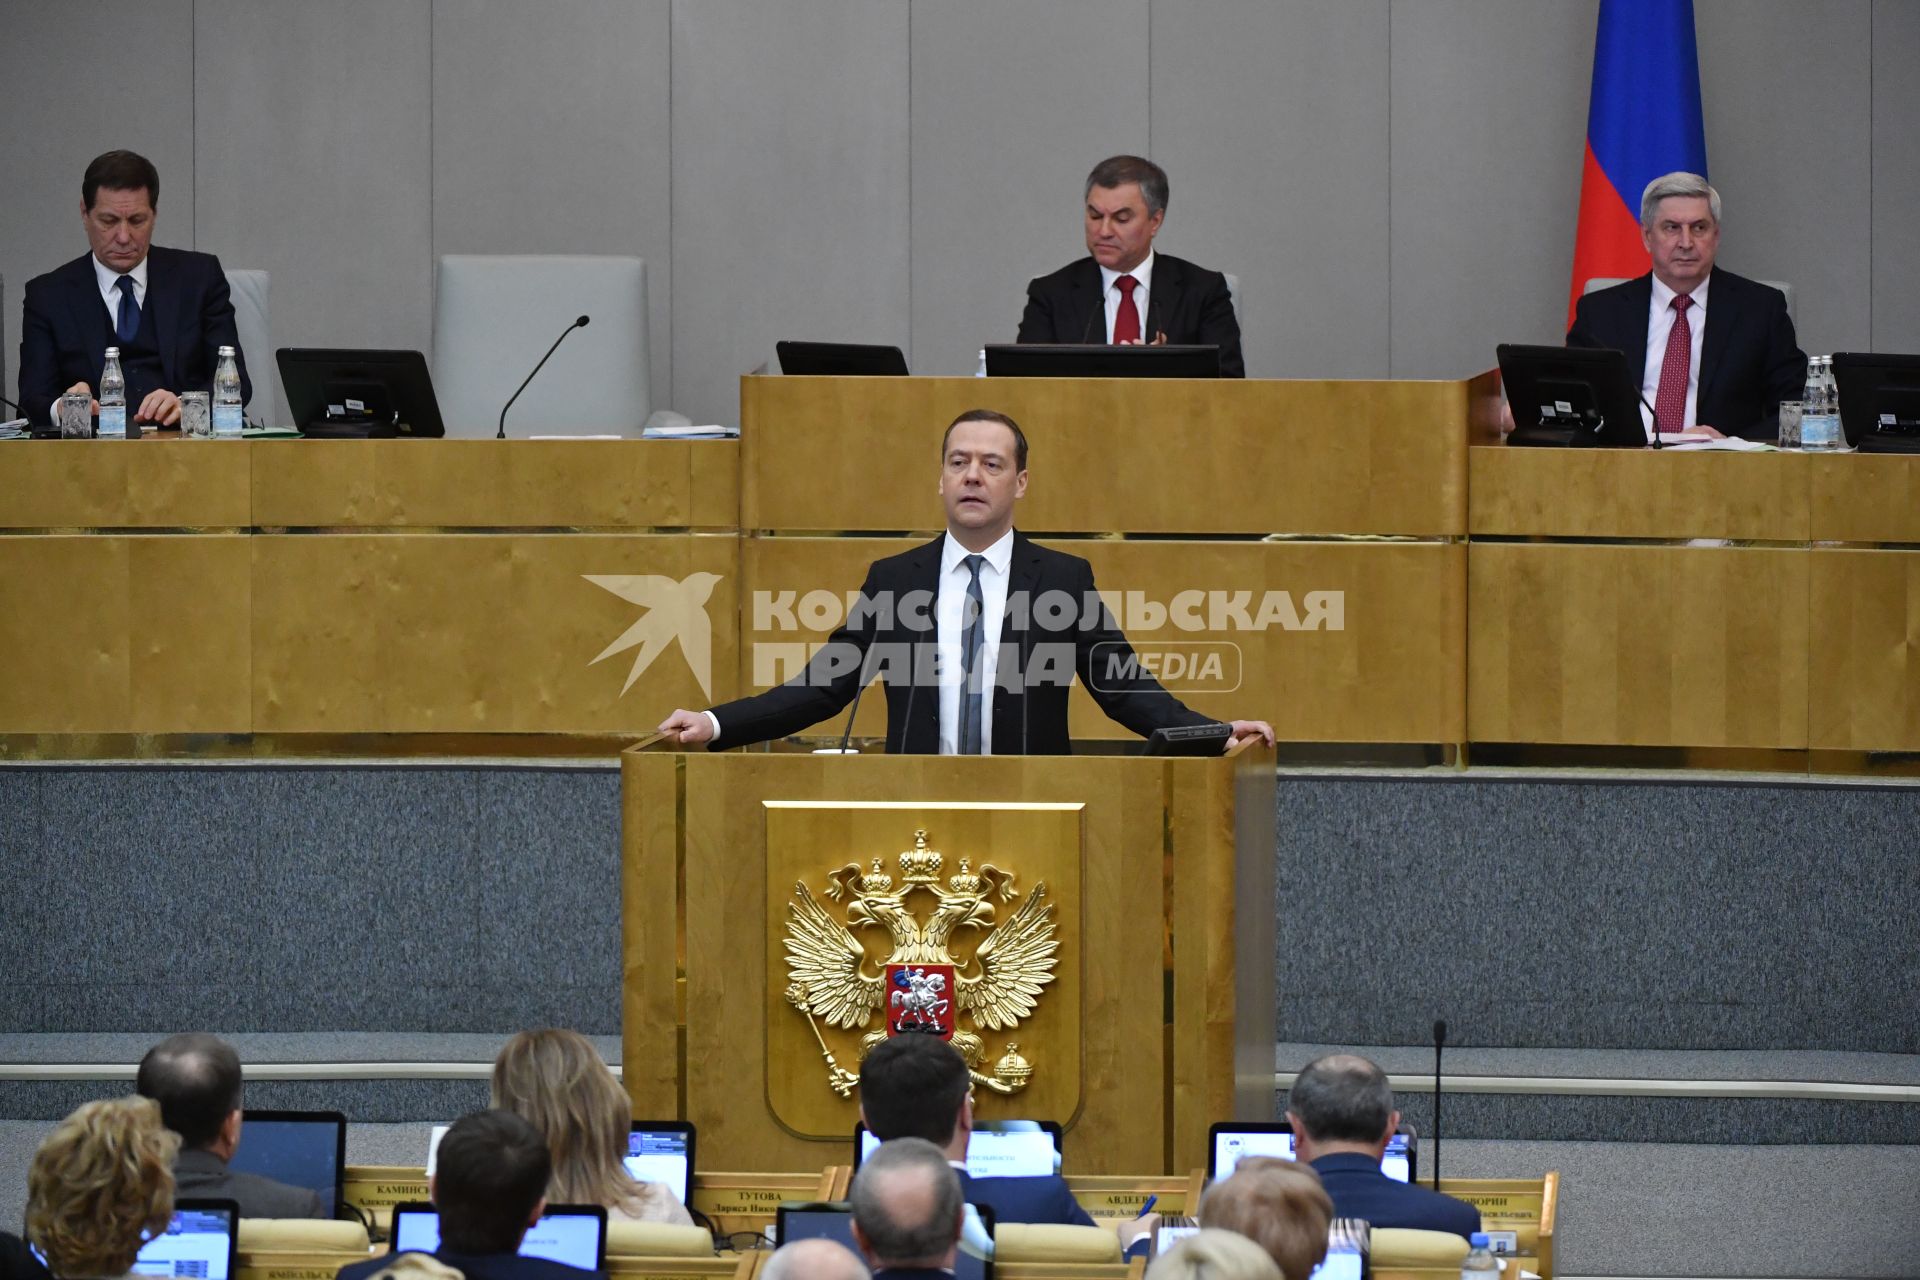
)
(977, 636)
(167, 310)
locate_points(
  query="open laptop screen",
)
(300, 1148)
(198, 1243)
(997, 1149)
(662, 1151)
(1230, 1143)
(575, 1234)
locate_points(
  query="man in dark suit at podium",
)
(1341, 1109)
(1010, 624)
(1124, 291)
(168, 310)
(1711, 351)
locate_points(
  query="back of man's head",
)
(489, 1177)
(1277, 1204)
(196, 1080)
(906, 1205)
(815, 1259)
(1342, 1098)
(912, 1086)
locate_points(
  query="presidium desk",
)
(1356, 562)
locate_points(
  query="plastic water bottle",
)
(980, 369)
(226, 396)
(1820, 420)
(113, 397)
(1479, 1264)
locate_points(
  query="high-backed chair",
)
(1607, 282)
(252, 317)
(1408, 1247)
(656, 1239)
(494, 316)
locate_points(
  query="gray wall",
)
(1394, 181)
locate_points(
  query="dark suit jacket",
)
(17, 1261)
(1187, 303)
(488, 1266)
(1026, 721)
(1749, 360)
(1039, 1199)
(912, 1273)
(65, 328)
(203, 1174)
(1360, 1190)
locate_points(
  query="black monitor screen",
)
(299, 1148)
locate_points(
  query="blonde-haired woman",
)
(1213, 1254)
(100, 1186)
(555, 1081)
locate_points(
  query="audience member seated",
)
(196, 1080)
(814, 1260)
(1342, 1112)
(99, 1186)
(915, 1086)
(1213, 1254)
(16, 1263)
(908, 1210)
(554, 1080)
(489, 1184)
(1277, 1204)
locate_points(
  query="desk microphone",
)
(581, 323)
(858, 690)
(1439, 1039)
(1655, 415)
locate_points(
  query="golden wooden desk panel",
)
(1367, 646)
(1637, 493)
(157, 482)
(1141, 456)
(1637, 646)
(1865, 497)
(1864, 679)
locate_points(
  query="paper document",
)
(691, 432)
(1700, 444)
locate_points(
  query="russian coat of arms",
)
(956, 955)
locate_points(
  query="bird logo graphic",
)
(675, 610)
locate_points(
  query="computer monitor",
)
(833, 1220)
(1572, 396)
(300, 1148)
(349, 393)
(1066, 360)
(840, 359)
(574, 1234)
(662, 1151)
(1879, 400)
(1231, 1141)
(997, 1148)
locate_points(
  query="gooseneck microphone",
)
(1439, 1039)
(1655, 415)
(858, 690)
(580, 323)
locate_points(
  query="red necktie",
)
(1126, 322)
(1670, 401)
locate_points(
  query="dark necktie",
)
(1126, 321)
(1670, 398)
(970, 637)
(127, 325)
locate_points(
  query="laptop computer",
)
(833, 1220)
(574, 1234)
(299, 1148)
(1230, 1141)
(662, 1151)
(200, 1243)
(840, 359)
(1879, 400)
(997, 1149)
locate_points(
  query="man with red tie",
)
(1713, 352)
(1125, 292)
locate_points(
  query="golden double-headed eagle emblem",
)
(837, 961)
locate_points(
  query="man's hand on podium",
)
(688, 728)
(1243, 729)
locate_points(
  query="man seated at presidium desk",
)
(1146, 297)
(1722, 374)
(168, 310)
(1024, 655)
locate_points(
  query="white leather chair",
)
(252, 317)
(1607, 282)
(494, 316)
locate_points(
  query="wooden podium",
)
(1110, 919)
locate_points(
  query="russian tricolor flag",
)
(1642, 121)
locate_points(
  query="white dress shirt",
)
(949, 631)
(1142, 273)
(1660, 315)
(109, 281)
